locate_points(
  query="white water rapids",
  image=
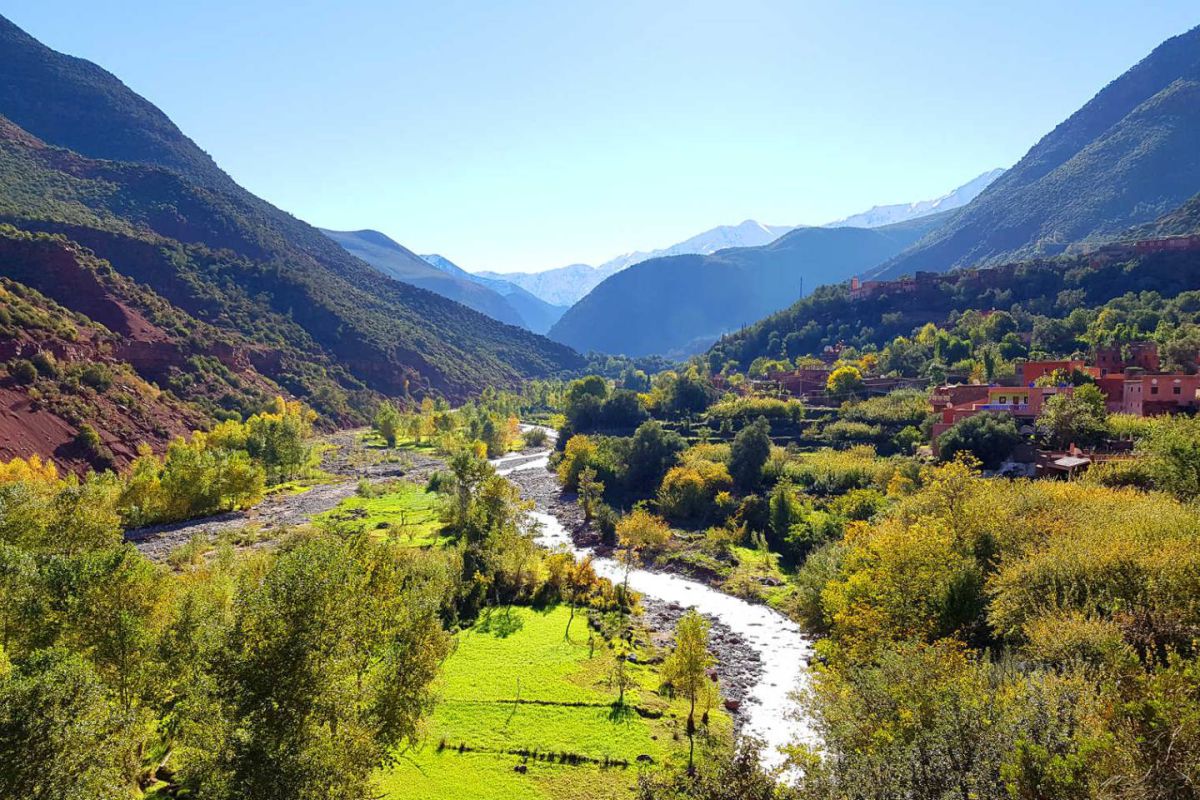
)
(772, 714)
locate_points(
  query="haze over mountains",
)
(567, 285)
(679, 305)
(1130, 156)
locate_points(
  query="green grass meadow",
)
(404, 510)
(565, 707)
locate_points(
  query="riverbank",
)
(767, 653)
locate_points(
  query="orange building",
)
(1151, 395)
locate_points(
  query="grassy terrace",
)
(565, 708)
(398, 508)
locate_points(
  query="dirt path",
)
(347, 460)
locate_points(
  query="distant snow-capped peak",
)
(902, 212)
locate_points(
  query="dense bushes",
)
(1046, 629)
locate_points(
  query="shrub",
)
(23, 371)
(898, 408)
(642, 531)
(535, 437)
(97, 376)
(687, 492)
(93, 447)
(46, 364)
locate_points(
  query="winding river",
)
(771, 713)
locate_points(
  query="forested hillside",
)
(1048, 288)
(1129, 155)
(138, 194)
(1183, 221)
(679, 305)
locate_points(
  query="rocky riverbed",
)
(344, 459)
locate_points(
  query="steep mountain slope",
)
(679, 305)
(565, 286)
(167, 217)
(536, 314)
(400, 263)
(72, 103)
(95, 365)
(1183, 221)
(902, 212)
(1131, 154)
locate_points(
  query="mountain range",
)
(536, 314)
(114, 215)
(498, 299)
(565, 286)
(678, 305)
(1129, 155)
(902, 212)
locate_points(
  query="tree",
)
(688, 490)
(737, 775)
(387, 422)
(579, 454)
(278, 439)
(579, 582)
(60, 737)
(327, 667)
(689, 393)
(467, 472)
(1172, 453)
(989, 437)
(641, 531)
(749, 453)
(1077, 418)
(686, 668)
(618, 673)
(591, 492)
(844, 382)
(653, 450)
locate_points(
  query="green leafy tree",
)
(686, 668)
(591, 492)
(1172, 453)
(749, 453)
(1077, 418)
(60, 736)
(387, 423)
(653, 450)
(328, 667)
(988, 437)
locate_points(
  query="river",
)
(771, 712)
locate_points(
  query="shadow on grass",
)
(500, 625)
(621, 713)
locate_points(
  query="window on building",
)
(1153, 390)
(1176, 390)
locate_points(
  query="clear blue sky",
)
(527, 135)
